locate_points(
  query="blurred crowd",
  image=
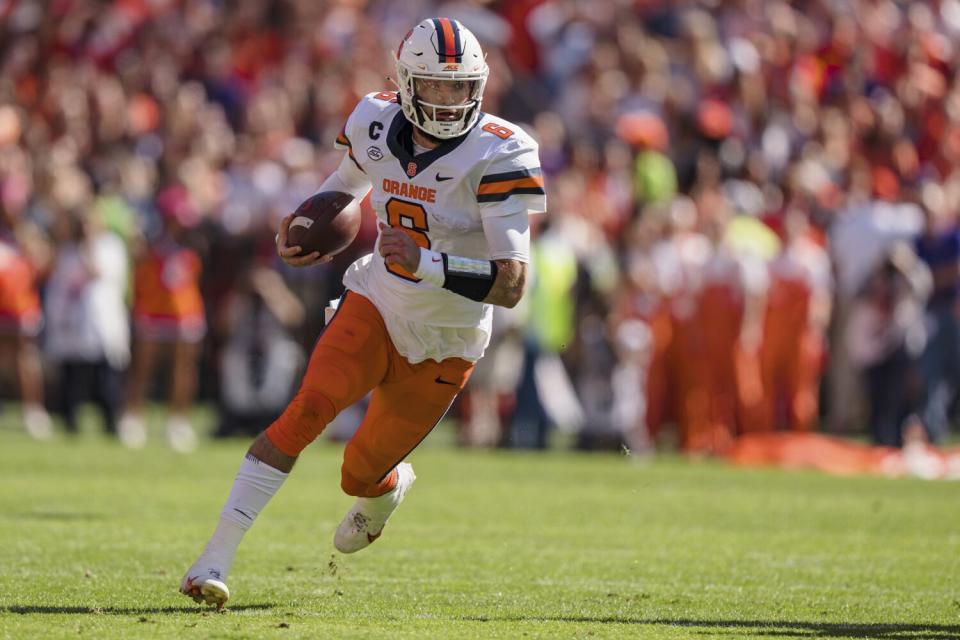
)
(752, 212)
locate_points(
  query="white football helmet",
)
(440, 49)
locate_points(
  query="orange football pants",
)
(704, 362)
(353, 355)
(658, 373)
(790, 358)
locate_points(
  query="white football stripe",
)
(302, 221)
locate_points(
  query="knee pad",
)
(301, 422)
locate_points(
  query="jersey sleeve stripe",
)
(352, 157)
(533, 182)
(510, 175)
(344, 141)
(500, 197)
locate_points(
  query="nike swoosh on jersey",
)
(443, 178)
(442, 381)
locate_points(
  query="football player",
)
(452, 188)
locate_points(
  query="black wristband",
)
(469, 277)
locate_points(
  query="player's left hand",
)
(398, 248)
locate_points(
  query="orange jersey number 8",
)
(498, 130)
(412, 218)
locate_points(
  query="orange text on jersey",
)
(408, 190)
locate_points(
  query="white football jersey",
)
(440, 198)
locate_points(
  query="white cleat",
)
(180, 435)
(205, 586)
(37, 422)
(132, 431)
(365, 521)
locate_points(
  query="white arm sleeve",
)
(508, 236)
(348, 178)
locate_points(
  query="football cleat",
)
(364, 523)
(205, 586)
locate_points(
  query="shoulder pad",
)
(373, 106)
(504, 135)
(512, 175)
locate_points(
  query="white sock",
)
(255, 484)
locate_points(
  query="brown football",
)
(324, 223)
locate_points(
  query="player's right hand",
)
(291, 255)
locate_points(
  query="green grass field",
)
(94, 539)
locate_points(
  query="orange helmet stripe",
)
(448, 40)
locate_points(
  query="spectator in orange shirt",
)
(21, 319)
(168, 317)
